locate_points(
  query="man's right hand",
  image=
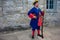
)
(35, 17)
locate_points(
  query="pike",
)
(42, 24)
(41, 21)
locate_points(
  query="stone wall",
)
(14, 13)
(53, 19)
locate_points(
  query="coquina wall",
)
(14, 13)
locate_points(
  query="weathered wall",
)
(13, 14)
(53, 19)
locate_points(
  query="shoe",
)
(32, 37)
(40, 35)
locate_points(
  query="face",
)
(37, 4)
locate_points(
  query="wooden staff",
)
(42, 19)
(40, 22)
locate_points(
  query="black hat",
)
(35, 2)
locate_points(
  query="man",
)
(34, 14)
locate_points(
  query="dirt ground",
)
(50, 33)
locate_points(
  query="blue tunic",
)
(34, 22)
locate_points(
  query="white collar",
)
(36, 7)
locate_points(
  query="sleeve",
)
(42, 12)
(30, 13)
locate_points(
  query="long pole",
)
(42, 28)
(44, 3)
(42, 25)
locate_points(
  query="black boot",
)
(32, 37)
(40, 35)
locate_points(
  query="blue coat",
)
(34, 22)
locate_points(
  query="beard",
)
(37, 6)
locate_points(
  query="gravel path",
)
(49, 34)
